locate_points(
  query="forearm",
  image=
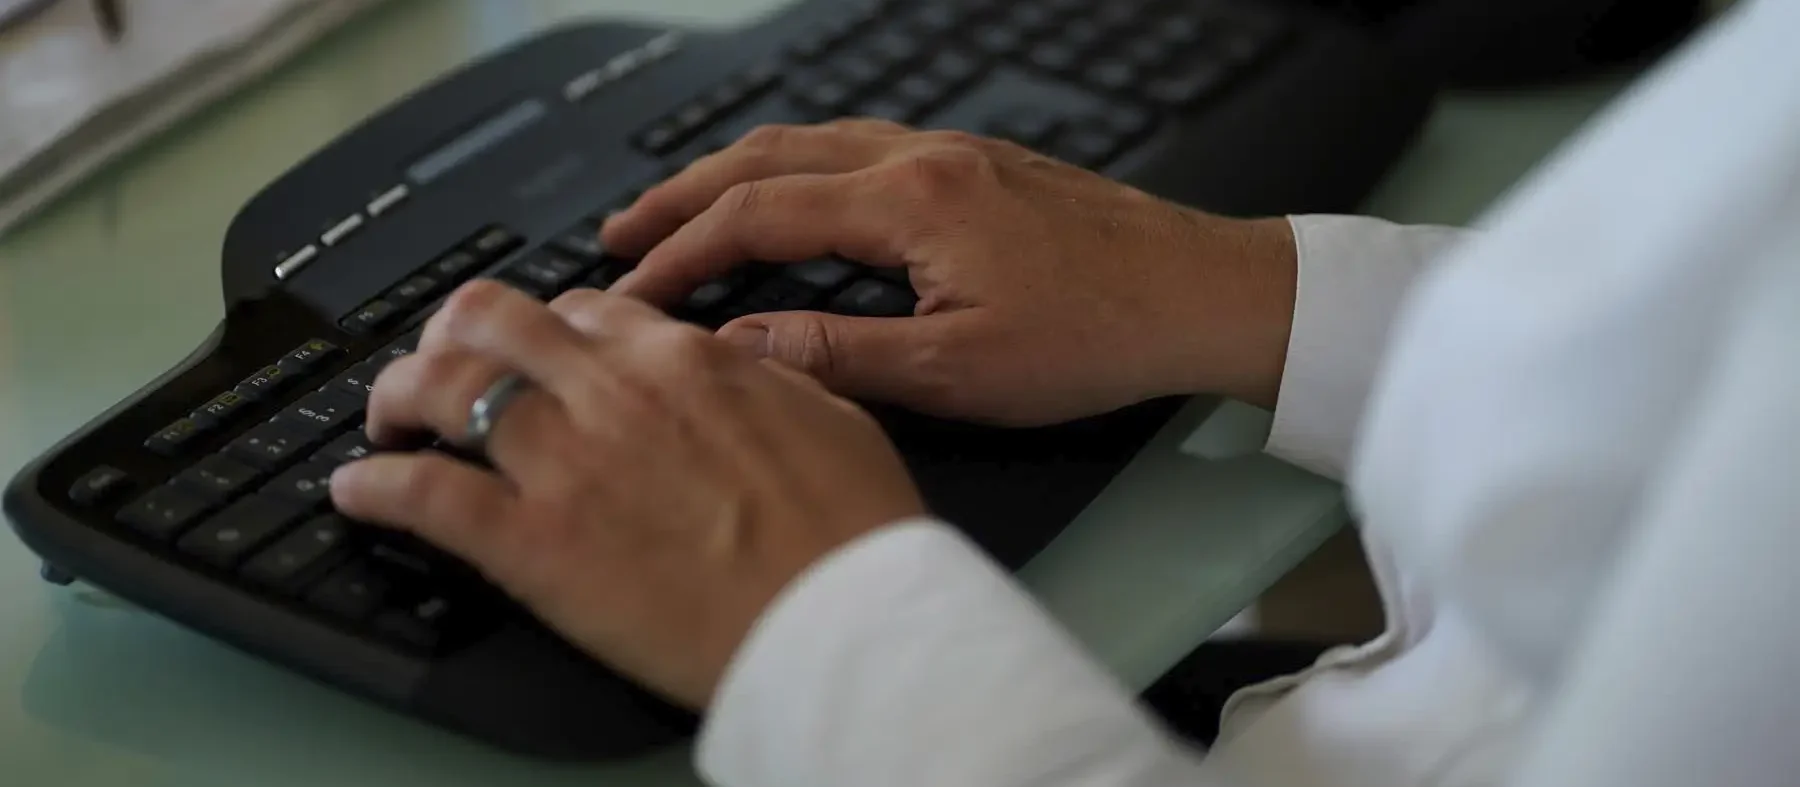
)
(909, 659)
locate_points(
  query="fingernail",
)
(754, 338)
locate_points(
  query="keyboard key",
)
(1113, 76)
(219, 409)
(826, 274)
(870, 298)
(859, 69)
(1085, 147)
(371, 317)
(922, 90)
(347, 448)
(831, 96)
(308, 485)
(1128, 121)
(582, 241)
(163, 511)
(98, 486)
(661, 139)
(1189, 84)
(1054, 57)
(239, 529)
(420, 625)
(937, 19)
(779, 294)
(410, 292)
(289, 559)
(895, 47)
(496, 242)
(407, 344)
(270, 445)
(320, 412)
(455, 265)
(1032, 18)
(550, 272)
(309, 356)
(1150, 52)
(1028, 126)
(358, 381)
(610, 271)
(955, 67)
(1081, 36)
(897, 110)
(710, 295)
(353, 592)
(266, 382)
(999, 41)
(172, 439)
(217, 477)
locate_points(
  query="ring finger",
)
(434, 391)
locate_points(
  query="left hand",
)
(654, 487)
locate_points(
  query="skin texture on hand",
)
(1047, 292)
(653, 489)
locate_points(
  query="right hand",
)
(1047, 293)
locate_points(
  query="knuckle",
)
(769, 136)
(945, 172)
(814, 350)
(954, 138)
(468, 306)
(743, 199)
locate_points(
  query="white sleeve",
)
(907, 658)
(1354, 271)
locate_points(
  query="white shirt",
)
(1572, 438)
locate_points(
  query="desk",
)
(95, 694)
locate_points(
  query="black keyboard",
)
(204, 496)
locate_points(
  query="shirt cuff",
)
(909, 658)
(1354, 272)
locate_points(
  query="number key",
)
(320, 412)
(356, 382)
(270, 445)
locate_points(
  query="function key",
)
(217, 477)
(347, 448)
(98, 486)
(496, 242)
(870, 298)
(240, 529)
(410, 292)
(661, 139)
(285, 562)
(266, 382)
(308, 356)
(163, 512)
(358, 381)
(354, 592)
(308, 484)
(219, 409)
(371, 317)
(319, 412)
(270, 445)
(455, 265)
(174, 437)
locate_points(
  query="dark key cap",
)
(955, 67)
(1188, 84)
(1028, 126)
(407, 344)
(420, 625)
(308, 485)
(609, 273)
(353, 592)
(287, 561)
(1082, 36)
(320, 412)
(824, 274)
(1032, 18)
(1182, 30)
(895, 47)
(1054, 57)
(371, 317)
(239, 529)
(99, 485)
(999, 41)
(921, 89)
(347, 448)
(708, 296)
(1113, 76)
(660, 139)
(309, 356)
(1149, 52)
(892, 108)
(937, 19)
(776, 295)
(1128, 121)
(410, 292)
(830, 96)
(859, 69)
(357, 381)
(217, 477)
(268, 446)
(266, 382)
(547, 270)
(171, 439)
(163, 511)
(496, 242)
(582, 240)
(219, 410)
(455, 265)
(870, 298)
(1085, 147)
(1117, 16)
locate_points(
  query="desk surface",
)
(117, 282)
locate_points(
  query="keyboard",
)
(204, 496)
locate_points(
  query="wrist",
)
(1234, 315)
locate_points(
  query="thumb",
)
(858, 357)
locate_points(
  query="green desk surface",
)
(118, 281)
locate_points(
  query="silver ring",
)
(487, 408)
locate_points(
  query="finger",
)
(514, 329)
(882, 359)
(451, 504)
(434, 390)
(787, 219)
(766, 152)
(599, 314)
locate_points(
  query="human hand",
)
(1047, 292)
(653, 487)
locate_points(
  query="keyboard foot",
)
(55, 575)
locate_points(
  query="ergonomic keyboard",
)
(203, 497)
